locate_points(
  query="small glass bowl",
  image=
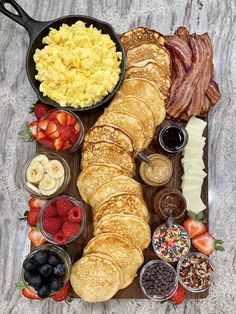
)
(48, 236)
(181, 147)
(189, 288)
(156, 297)
(80, 138)
(63, 254)
(160, 255)
(50, 157)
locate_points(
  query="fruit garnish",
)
(206, 244)
(75, 214)
(39, 110)
(59, 237)
(70, 229)
(193, 227)
(63, 294)
(51, 225)
(25, 291)
(36, 237)
(30, 132)
(63, 206)
(179, 296)
(36, 203)
(31, 216)
(197, 217)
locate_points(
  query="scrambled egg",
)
(78, 66)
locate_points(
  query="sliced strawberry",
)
(68, 118)
(30, 295)
(43, 124)
(52, 127)
(73, 137)
(40, 136)
(33, 128)
(54, 135)
(193, 227)
(48, 143)
(36, 203)
(73, 120)
(77, 127)
(36, 237)
(53, 116)
(62, 294)
(66, 145)
(65, 132)
(58, 143)
(62, 118)
(205, 243)
(179, 296)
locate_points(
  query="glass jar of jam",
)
(166, 199)
(173, 138)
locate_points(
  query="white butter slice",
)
(194, 203)
(196, 123)
(195, 163)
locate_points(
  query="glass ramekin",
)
(80, 138)
(189, 288)
(160, 255)
(63, 254)
(48, 236)
(162, 144)
(50, 157)
(158, 298)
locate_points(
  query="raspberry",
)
(49, 212)
(70, 229)
(75, 214)
(51, 225)
(59, 237)
(63, 206)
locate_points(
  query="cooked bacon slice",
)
(183, 33)
(213, 92)
(186, 89)
(180, 47)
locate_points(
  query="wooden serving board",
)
(73, 159)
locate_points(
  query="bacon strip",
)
(213, 92)
(186, 89)
(180, 47)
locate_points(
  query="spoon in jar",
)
(144, 158)
(169, 221)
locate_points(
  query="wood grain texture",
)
(215, 16)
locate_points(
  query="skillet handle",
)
(32, 26)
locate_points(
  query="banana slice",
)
(42, 159)
(52, 191)
(60, 181)
(34, 172)
(55, 169)
(33, 187)
(47, 183)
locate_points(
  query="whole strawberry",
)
(31, 216)
(39, 109)
(63, 294)
(179, 296)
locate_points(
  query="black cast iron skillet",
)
(37, 30)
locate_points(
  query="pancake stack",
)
(121, 231)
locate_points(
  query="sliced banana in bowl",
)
(55, 169)
(34, 172)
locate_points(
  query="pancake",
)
(95, 175)
(136, 55)
(138, 108)
(128, 123)
(147, 91)
(127, 255)
(122, 203)
(115, 186)
(140, 35)
(153, 72)
(107, 153)
(96, 277)
(109, 134)
(131, 227)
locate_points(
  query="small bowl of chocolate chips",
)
(158, 280)
(195, 272)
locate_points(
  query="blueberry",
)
(56, 283)
(45, 270)
(40, 257)
(59, 269)
(54, 259)
(29, 264)
(44, 291)
(35, 280)
(27, 275)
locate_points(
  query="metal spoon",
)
(169, 221)
(144, 158)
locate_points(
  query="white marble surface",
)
(216, 17)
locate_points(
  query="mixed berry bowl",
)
(61, 220)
